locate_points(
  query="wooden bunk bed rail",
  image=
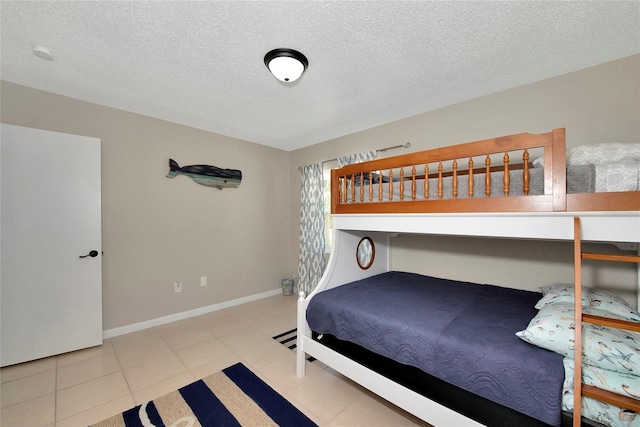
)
(398, 185)
(610, 397)
(358, 188)
(610, 322)
(618, 201)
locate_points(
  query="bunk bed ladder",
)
(580, 389)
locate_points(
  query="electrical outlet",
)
(177, 286)
(203, 280)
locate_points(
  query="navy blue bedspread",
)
(460, 332)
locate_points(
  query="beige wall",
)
(597, 104)
(158, 230)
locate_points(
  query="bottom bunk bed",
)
(461, 333)
(451, 353)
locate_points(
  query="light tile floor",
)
(86, 386)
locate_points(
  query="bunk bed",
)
(527, 186)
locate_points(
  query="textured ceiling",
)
(370, 62)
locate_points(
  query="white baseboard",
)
(186, 314)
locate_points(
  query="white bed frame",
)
(622, 228)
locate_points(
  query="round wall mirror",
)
(365, 253)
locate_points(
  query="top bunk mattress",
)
(460, 332)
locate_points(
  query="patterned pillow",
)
(617, 176)
(599, 154)
(595, 298)
(607, 348)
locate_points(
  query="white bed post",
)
(302, 331)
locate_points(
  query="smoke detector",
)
(42, 52)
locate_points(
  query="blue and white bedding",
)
(617, 165)
(602, 412)
(460, 332)
(610, 356)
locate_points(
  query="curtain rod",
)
(379, 150)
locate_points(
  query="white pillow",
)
(539, 162)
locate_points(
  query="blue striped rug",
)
(234, 396)
(289, 339)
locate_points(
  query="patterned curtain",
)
(356, 158)
(311, 263)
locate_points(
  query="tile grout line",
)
(56, 421)
(115, 353)
(190, 371)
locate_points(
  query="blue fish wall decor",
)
(210, 176)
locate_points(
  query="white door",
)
(50, 216)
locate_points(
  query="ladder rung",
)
(614, 323)
(611, 257)
(610, 397)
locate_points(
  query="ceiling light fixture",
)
(286, 65)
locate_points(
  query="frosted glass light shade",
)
(287, 65)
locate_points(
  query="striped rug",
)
(289, 339)
(234, 396)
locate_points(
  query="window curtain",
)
(356, 158)
(311, 262)
(312, 245)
